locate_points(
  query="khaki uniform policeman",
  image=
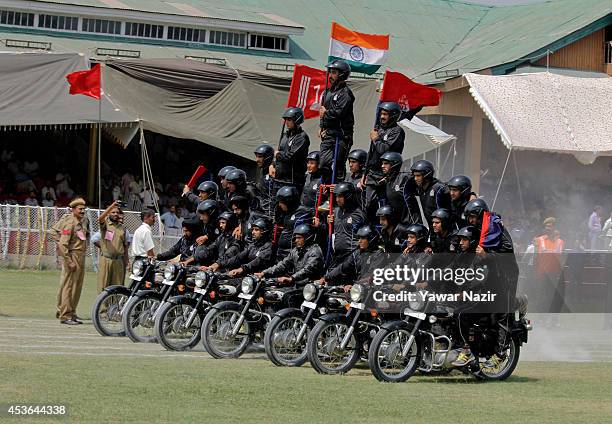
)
(113, 249)
(72, 247)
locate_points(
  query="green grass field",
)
(114, 380)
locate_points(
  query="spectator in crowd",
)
(62, 184)
(48, 189)
(31, 200)
(172, 221)
(607, 232)
(149, 198)
(126, 180)
(63, 200)
(595, 227)
(48, 201)
(7, 155)
(30, 167)
(116, 192)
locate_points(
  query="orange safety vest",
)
(548, 255)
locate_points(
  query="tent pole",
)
(501, 179)
(91, 166)
(518, 183)
(100, 142)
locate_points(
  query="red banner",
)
(306, 90)
(85, 82)
(410, 95)
(196, 175)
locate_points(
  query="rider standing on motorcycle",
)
(223, 182)
(256, 256)
(387, 136)
(427, 191)
(356, 162)
(186, 245)
(313, 181)
(392, 185)
(460, 189)
(348, 217)
(289, 214)
(391, 233)
(264, 187)
(239, 205)
(208, 211)
(304, 262)
(289, 166)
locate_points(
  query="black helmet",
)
(306, 231)
(295, 113)
(192, 224)
(425, 167)
(230, 219)
(471, 233)
(386, 210)
(236, 176)
(444, 216)
(210, 207)
(210, 188)
(240, 201)
(368, 233)
(394, 158)
(288, 195)
(343, 68)
(264, 150)
(393, 109)
(263, 224)
(224, 171)
(346, 189)
(420, 231)
(463, 183)
(314, 155)
(359, 155)
(476, 207)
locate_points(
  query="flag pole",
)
(100, 141)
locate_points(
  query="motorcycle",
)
(179, 320)
(108, 307)
(286, 335)
(429, 340)
(140, 313)
(230, 327)
(339, 340)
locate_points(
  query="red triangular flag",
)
(85, 82)
(410, 95)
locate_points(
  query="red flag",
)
(197, 174)
(410, 95)
(306, 90)
(85, 82)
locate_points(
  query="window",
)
(225, 38)
(268, 42)
(101, 26)
(8, 17)
(58, 22)
(135, 29)
(186, 34)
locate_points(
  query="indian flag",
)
(364, 52)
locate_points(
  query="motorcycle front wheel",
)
(281, 343)
(324, 352)
(217, 335)
(386, 358)
(106, 313)
(138, 318)
(170, 329)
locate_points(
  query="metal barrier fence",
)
(26, 243)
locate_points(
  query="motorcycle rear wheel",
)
(505, 368)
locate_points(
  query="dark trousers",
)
(326, 151)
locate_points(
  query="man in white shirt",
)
(142, 242)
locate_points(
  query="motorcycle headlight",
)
(137, 267)
(309, 292)
(247, 285)
(357, 292)
(169, 272)
(200, 278)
